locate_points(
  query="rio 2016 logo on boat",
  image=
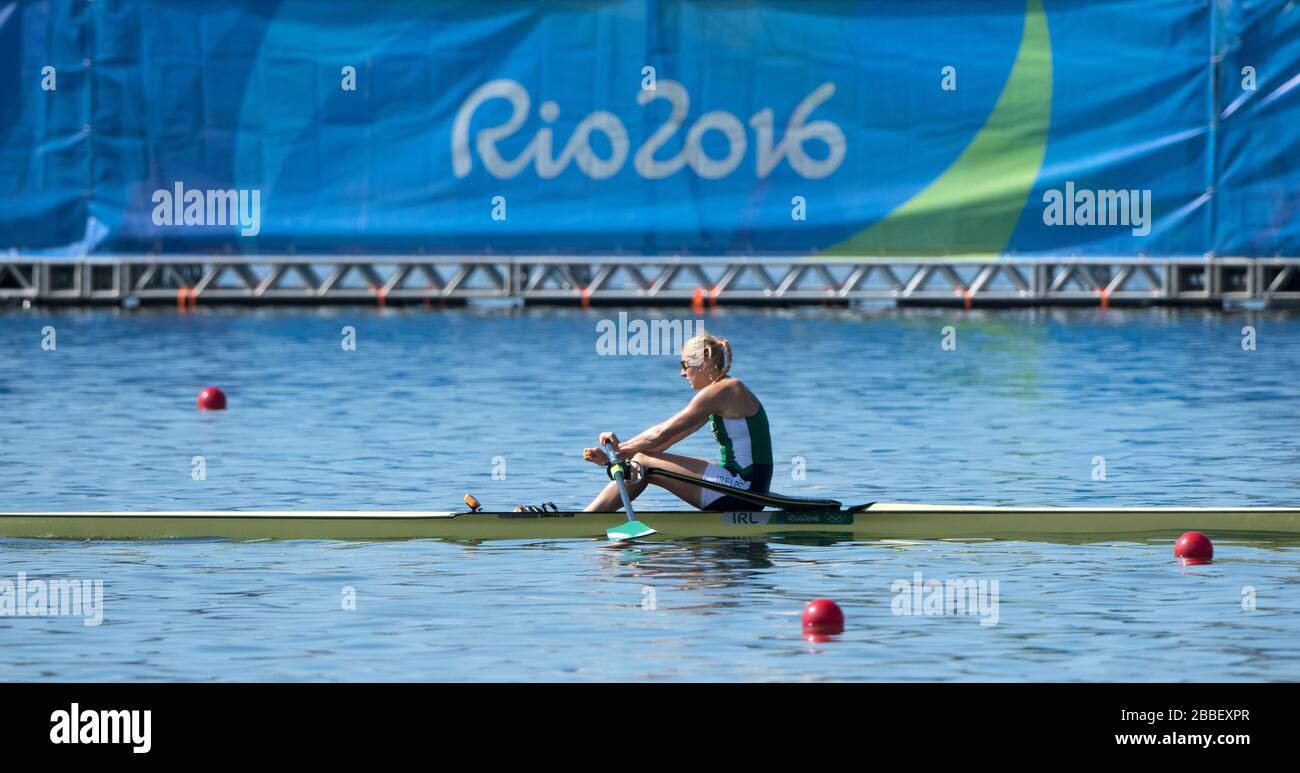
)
(578, 149)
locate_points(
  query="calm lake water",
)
(1027, 409)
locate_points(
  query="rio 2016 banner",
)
(895, 128)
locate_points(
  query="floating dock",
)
(189, 281)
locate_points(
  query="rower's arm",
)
(683, 424)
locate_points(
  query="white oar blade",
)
(629, 530)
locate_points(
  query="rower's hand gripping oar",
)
(633, 528)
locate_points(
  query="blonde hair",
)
(716, 352)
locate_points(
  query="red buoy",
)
(1194, 548)
(212, 399)
(823, 616)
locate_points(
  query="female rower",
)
(739, 424)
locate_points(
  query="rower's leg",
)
(684, 465)
(609, 499)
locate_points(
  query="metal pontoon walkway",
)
(640, 280)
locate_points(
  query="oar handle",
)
(616, 471)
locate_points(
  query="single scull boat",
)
(789, 515)
(875, 521)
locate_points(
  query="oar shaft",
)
(617, 471)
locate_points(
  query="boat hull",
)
(880, 521)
